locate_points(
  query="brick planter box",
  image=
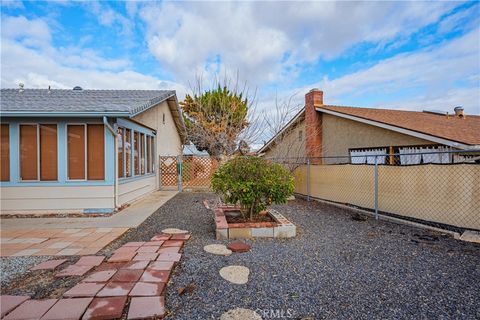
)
(281, 227)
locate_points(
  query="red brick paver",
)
(105, 308)
(68, 309)
(116, 289)
(151, 275)
(31, 309)
(146, 307)
(122, 257)
(126, 249)
(153, 243)
(169, 249)
(146, 289)
(148, 249)
(73, 270)
(127, 275)
(161, 265)
(48, 265)
(133, 244)
(8, 303)
(136, 265)
(145, 256)
(84, 289)
(169, 256)
(173, 243)
(90, 261)
(100, 276)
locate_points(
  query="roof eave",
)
(63, 114)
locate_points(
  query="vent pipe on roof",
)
(459, 112)
(77, 88)
(20, 89)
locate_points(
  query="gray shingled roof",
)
(57, 100)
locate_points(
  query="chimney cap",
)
(459, 108)
(315, 90)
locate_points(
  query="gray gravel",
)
(13, 266)
(336, 267)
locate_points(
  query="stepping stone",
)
(145, 256)
(68, 309)
(161, 237)
(161, 265)
(116, 289)
(122, 257)
(148, 249)
(48, 265)
(183, 237)
(100, 276)
(111, 266)
(84, 289)
(239, 247)
(169, 249)
(218, 249)
(136, 265)
(153, 243)
(172, 243)
(145, 289)
(133, 244)
(169, 256)
(105, 308)
(31, 309)
(127, 275)
(146, 307)
(235, 274)
(126, 249)
(174, 231)
(8, 303)
(73, 270)
(152, 275)
(240, 314)
(90, 261)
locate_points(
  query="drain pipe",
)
(115, 170)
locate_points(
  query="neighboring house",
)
(84, 151)
(321, 130)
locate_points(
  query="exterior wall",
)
(129, 191)
(289, 146)
(340, 134)
(168, 139)
(55, 199)
(447, 194)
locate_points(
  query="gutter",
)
(62, 114)
(115, 170)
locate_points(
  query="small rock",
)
(218, 249)
(239, 247)
(240, 314)
(235, 274)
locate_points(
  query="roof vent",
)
(20, 87)
(77, 88)
(459, 112)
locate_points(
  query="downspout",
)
(115, 170)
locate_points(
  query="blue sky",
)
(401, 55)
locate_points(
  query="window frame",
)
(37, 124)
(142, 147)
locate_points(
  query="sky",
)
(396, 55)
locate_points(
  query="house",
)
(84, 151)
(348, 133)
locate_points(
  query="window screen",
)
(76, 152)
(28, 152)
(149, 155)
(128, 152)
(48, 152)
(120, 151)
(142, 154)
(136, 152)
(5, 152)
(96, 152)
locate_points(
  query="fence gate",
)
(187, 172)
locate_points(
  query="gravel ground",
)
(13, 266)
(336, 267)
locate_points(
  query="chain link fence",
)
(438, 188)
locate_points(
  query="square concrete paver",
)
(169, 256)
(126, 249)
(124, 275)
(90, 261)
(68, 309)
(173, 243)
(145, 256)
(136, 265)
(31, 309)
(48, 265)
(146, 307)
(152, 275)
(116, 289)
(153, 243)
(169, 249)
(73, 270)
(122, 257)
(147, 289)
(84, 289)
(100, 276)
(105, 308)
(161, 265)
(8, 303)
(148, 249)
(26, 252)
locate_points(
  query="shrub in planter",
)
(253, 183)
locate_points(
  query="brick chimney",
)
(313, 125)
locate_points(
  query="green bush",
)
(253, 183)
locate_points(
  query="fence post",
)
(376, 187)
(308, 179)
(179, 172)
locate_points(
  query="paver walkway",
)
(136, 282)
(74, 236)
